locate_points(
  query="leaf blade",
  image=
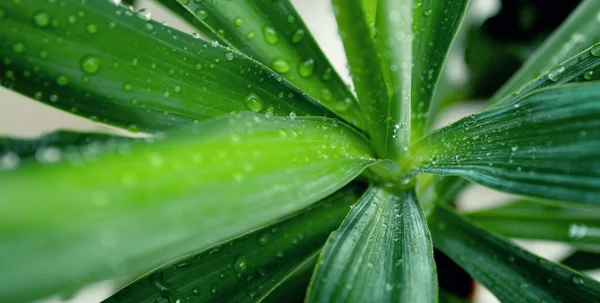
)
(511, 273)
(225, 161)
(516, 148)
(93, 67)
(384, 270)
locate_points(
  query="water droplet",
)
(237, 22)
(18, 47)
(201, 14)
(90, 64)
(240, 265)
(41, 19)
(326, 94)
(229, 56)
(343, 105)
(280, 65)
(270, 34)
(427, 12)
(306, 68)
(144, 13)
(577, 231)
(588, 75)
(48, 155)
(327, 74)
(91, 28)
(595, 51)
(254, 103)
(249, 36)
(264, 238)
(9, 161)
(127, 87)
(293, 115)
(555, 73)
(298, 35)
(577, 280)
(195, 292)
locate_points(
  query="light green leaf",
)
(381, 253)
(109, 64)
(180, 11)
(395, 38)
(435, 24)
(367, 75)
(273, 33)
(250, 267)
(545, 145)
(564, 222)
(582, 260)
(582, 67)
(575, 34)
(96, 216)
(509, 272)
(49, 145)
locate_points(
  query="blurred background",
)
(496, 37)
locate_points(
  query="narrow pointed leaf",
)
(50, 144)
(109, 64)
(582, 260)
(544, 145)
(381, 253)
(395, 38)
(273, 33)
(509, 272)
(366, 74)
(180, 11)
(100, 215)
(576, 33)
(435, 24)
(582, 67)
(249, 267)
(564, 222)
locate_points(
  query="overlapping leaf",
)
(511, 273)
(546, 145)
(273, 33)
(381, 253)
(247, 268)
(112, 65)
(97, 215)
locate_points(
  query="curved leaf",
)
(95, 216)
(249, 267)
(509, 272)
(110, 64)
(579, 226)
(381, 253)
(273, 33)
(579, 31)
(366, 74)
(435, 24)
(545, 145)
(583, 67)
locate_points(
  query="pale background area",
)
(20, 116)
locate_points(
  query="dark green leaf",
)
(582, 260)
(111, 65)
(546, 145)
(583, 67)
(273, 33)
(180, 11)
(509, 272)
(95, 216)
(50, 144)
(367, 74)
(578, 32)
(247, 268)
(381, 253)
(435, 24)
(395, 38)
(564, 222)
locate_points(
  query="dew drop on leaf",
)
(306, 68)
(201, 14)
(298, 36)
(41, 19)
(588, 75)
(240, 265)
(577, 280)
(254, 103)
(555, 73)
(237, 22)
(595, 51)
(280, 65)
(270, 34)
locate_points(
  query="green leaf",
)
(381, 253)
(435, 24)
(367, 74)
(249, 267)
(96, 216)
(579, 226)
(50, 144)
(395, 39)
(509, 272)
(545, 145)
(273, 33)
(582, 67)
(180, 11)
(582, 260)
(579, 31)
(109, 64)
